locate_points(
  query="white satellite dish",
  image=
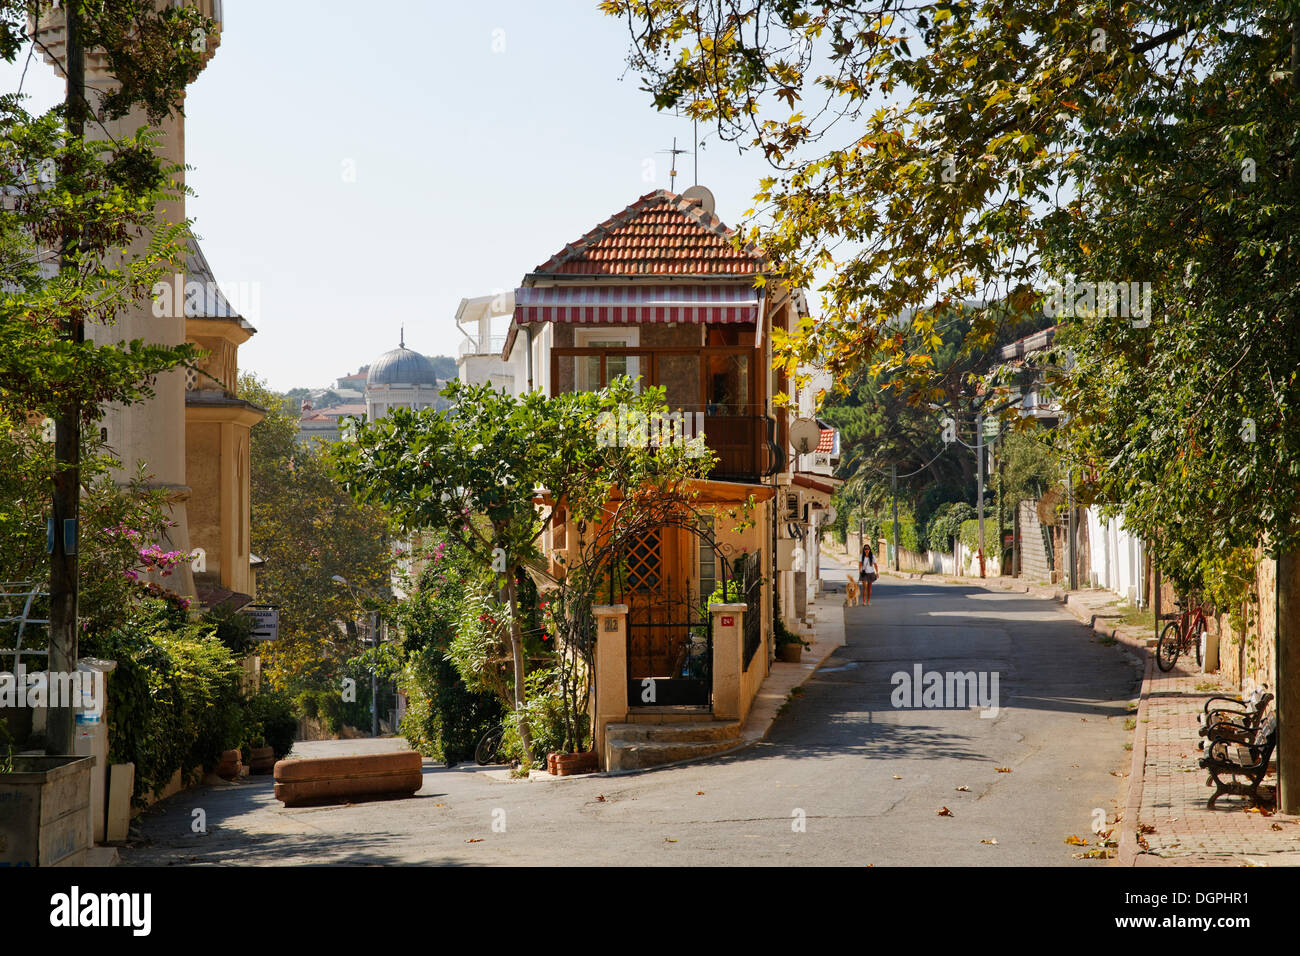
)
(701, 195)
(805, 435)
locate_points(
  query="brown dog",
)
(852, 591)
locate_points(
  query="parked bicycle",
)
(488, 750)
(1182, 635)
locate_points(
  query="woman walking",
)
(867, 572)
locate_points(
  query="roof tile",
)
(659, 234)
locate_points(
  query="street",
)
(844, 777)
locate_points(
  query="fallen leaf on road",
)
(1098, 854)
(1002, 769)
(897, 777)
(990, 842)
(963, 789)
(944, 812)
(1084, 719)
(1146, 828)
(1076, 840)
(668, 840)
(477, 840)
(1277, 826)
(699, 793)
(600, 798)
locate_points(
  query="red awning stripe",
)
(711, 304)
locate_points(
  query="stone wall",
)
(1251, 658)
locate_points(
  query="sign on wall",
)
(266, 622)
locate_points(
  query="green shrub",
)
(945, 525)
(970, 535)
(907, 537)
(271, 722)
(174, 701)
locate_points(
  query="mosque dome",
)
(401, 366)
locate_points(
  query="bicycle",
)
(1180, 636)
(489, 746)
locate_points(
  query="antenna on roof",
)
(401, 344)
(672, 173)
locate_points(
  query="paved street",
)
(869, 779)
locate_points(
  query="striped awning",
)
(617, 304)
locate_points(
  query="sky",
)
(360, 167)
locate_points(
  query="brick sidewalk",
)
(1174, 793)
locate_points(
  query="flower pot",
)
(261, 759)
(569, 764)
(790, 653)
(552, 763)
(229, 766)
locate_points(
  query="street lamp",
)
(374, 642)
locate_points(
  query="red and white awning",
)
(708, 304)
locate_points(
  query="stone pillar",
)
(728, 658)
(610, 679)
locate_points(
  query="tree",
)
(73, 209)
(308, 530)
(491, 474)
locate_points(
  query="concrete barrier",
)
(342, 779)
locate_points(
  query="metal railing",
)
(25, 593)
(483, 346)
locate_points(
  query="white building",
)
(483, 320)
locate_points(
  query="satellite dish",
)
(805, 435)
(701, 195)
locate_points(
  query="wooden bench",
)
(316, 780)
(1239, 753)
(1238, 713)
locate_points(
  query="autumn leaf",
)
(1076, 840)
(944, 812)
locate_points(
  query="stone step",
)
(700, 731)
(642, 754)
(678, 714)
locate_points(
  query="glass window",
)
(728, 384)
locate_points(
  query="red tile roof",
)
(661, 234)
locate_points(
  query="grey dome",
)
(401, 366)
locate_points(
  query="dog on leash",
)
(852, 591)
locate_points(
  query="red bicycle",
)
(1181, 635)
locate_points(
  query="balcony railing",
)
(488, 346)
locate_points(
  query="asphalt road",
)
(844, 777)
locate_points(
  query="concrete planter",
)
(261, 759)
(347, 779)
(45, 811)
(229, 766)
(789, 653)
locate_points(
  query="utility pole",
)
(1069, 498)
(979, 503)
(374, 673)
(65, 504)
(893, 490)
